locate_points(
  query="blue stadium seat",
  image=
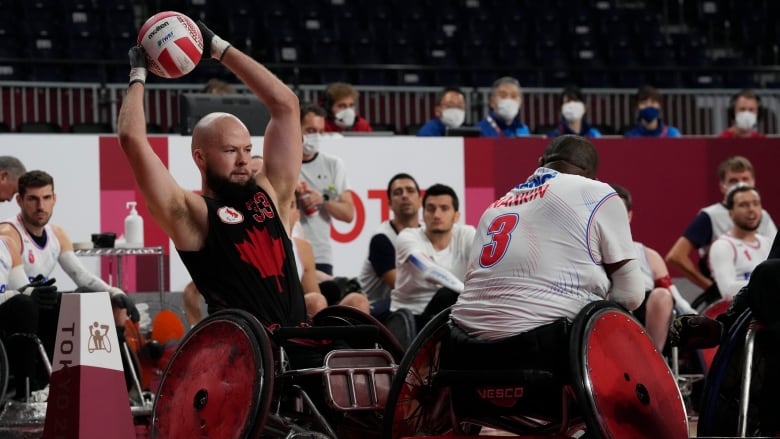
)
(620, 52)
(242, 27)
(12, 72)
(667, 79)
(630, 79)
(585, 52)
(440, 50)
(657, 52)
(403, 49)
(479, 52)
(361, 48)
(324, 48)
(373, 77)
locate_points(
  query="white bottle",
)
(134, 227)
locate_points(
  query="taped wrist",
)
(137, 74)
(218, 48)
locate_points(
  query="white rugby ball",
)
(172, 42)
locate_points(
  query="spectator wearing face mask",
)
(339, 103)
(650, 123)
(502, 119)
(323, 192)
(450, 113)
(573, 115)
(743, 114)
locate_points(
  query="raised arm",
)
(172, 208)
(282, 145)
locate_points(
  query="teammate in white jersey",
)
(377, 276)
(710, 223)
(431, 262)
(736, 253)
(43, 245)
(23, 307)
(549, 247)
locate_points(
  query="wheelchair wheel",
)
(414, 406)
(623, 385)
(337, 315)
(4, 372)
(219, 381)
(721, 395)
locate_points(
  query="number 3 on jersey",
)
(500, 231)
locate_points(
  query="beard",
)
(34, 221)
(747, 226)
(231, 193)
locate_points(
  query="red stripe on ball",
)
(167, 63)
(192, 51)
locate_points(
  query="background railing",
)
(394, 108)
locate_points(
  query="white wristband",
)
(218, 48)
(138, 74)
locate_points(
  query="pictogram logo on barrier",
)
(98, 338)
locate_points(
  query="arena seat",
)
(91, 128)
(39, 127)
(539, 28)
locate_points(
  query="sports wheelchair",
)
(734, 381)
(610, 382)
(231, 377)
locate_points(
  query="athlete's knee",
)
(315, 302)
(356, 300)
(661, 299)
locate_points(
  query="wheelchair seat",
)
(508, 376)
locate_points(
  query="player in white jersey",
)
(23, 307)
(43, 245)
(431, 262)
(736, 253)
(548, 247)
(377, 276)
(710, 223)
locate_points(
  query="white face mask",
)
(507, 109)
(745, 120)
(345, 118)
(311, 143)
(453, 117)
(573, 111)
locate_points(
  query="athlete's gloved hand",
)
(43, 291)
(213, 45)
(138, 69)
(122, 301)
(693, 331)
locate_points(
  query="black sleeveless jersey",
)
(247, 262)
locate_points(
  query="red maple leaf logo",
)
(265, 253)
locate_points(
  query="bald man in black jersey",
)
(233, 238)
